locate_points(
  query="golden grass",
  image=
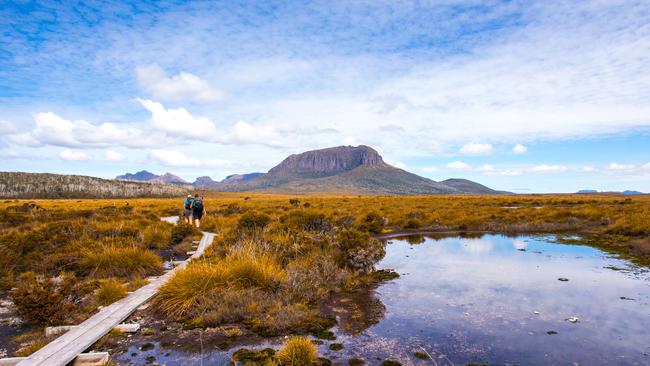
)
(110, 290)
(122, 262)
(297, 351)
(243, 268)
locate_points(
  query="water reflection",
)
(479, 300)
(490, 299)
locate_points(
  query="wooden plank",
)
(68, 346)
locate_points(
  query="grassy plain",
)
(276, 256)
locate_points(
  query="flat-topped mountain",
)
(330, 161)
(346, 169)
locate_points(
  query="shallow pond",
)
(489, 299)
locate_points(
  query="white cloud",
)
(6, 127)
(507, 172)
(519, 149)
(73, 155)
(544, 168)
(184, 86)
(476, 149)
(458, 165)
(400, 165)
(430, 169)
(588, 169)
(51, 129)
(179, 122)
(247, 133)
(486, 168)
(172, 158)
(620, 167)
(646, 166)
(112, 155)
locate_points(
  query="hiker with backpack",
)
(187, 209)
(198, 210)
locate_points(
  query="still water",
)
(489, 300)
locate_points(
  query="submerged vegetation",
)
(276, 258)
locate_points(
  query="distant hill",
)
(345, 169)
(145, 176)
(45, 185)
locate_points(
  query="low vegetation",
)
(276, 258)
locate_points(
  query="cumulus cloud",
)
(476, 149)
(73, 155)
(172, 158)
(400, 165)
(519, 149)
(621, 167)
(112, 155)
(545, 168)
(588, 169)
(179, 122)
(183, 86)
(458, 165)
(51, 129)
(430, 169)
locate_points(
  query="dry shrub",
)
(126, 262)
(297, 351)
(109, 291)
(313, 277)
(44, 300)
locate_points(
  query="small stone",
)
(563, 279)
(572, 319)
(551, 332)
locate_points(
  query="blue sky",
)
(530, 96)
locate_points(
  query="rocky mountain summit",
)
(328, 161)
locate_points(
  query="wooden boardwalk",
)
(64, 349)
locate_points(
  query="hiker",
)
(187, 209)
(198, 210)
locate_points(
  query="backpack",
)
(198, 205)
(188, 203)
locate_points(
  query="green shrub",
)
(181, 231)
(252, 220)
(373, 223)
(307, 221)
(110, 291)
(352, 239)
(413, 224)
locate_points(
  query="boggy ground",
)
(278, 260)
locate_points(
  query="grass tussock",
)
(122, 262)
(297, 351)
(241, 270)
(109, 291)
